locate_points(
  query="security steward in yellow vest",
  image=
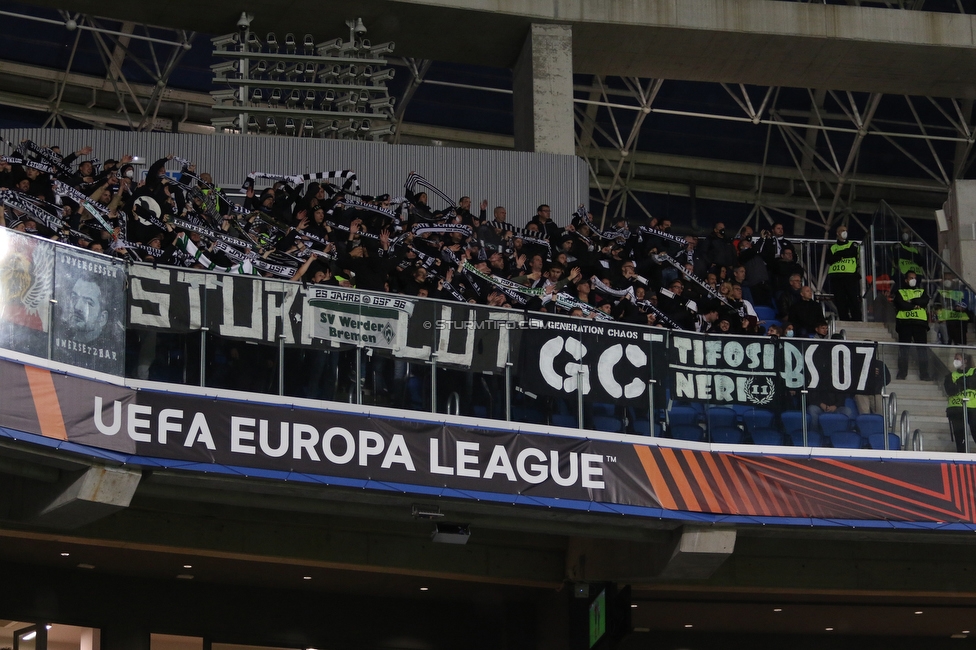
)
(912, 324)
(906, 257)
(845, 275)
(960, 386)
(953, 314)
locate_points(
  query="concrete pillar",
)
(543, 91)
(958, 244)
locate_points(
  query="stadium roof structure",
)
(735, 109)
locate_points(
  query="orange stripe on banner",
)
(679, 478)
(731, 506)
(658, 484)
(691, 457)
(46, 403)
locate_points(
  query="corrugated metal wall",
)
(518, 181)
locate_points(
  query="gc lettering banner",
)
(724, 369)
(606, 362)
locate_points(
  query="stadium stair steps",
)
(924, 401)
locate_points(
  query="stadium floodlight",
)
(272, 42)
(278, 70)
(295, 69)
(290, 125)
(382, 48)
(290, 43)
(347, 102)
(253, 42)
(384, 131)
(257, 96)
(309, 98)
(252, 122)
(224, 122)
(225, 40)
(379, 76)
(323, 49)
(307, 127)
(308, 43)
(382, 104)
(364, 125)
(224, 68)
(224, 95)
(330, 96)
(270, 124)
(363, 97)
(310, 69)
(260, 68)
(275, 97)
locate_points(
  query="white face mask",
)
(842, 235)
(789, 333)
(957, 363)
(128, 173)
(912, 282)
(905, 237)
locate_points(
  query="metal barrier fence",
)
(270, 336)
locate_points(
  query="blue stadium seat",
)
(565, 420)
(726, 435)
(528, 414)
(643, 428)
(831, 423)
(683, 415)
(687, 432)
(720, 416)
(761, 436)
(602, 408)
(870, 424)
(846, 440)
(765, 313)
(876, 441)
(757, 419)
(608, 424)
(793, 421)
(814, 439)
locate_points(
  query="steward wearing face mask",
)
(960, 388)
(906, 257)
(845, 275)
(912, 325)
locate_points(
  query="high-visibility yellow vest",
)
(918, 313)
(906, 264)
(846, 264)
(951, 314)
(958, 400)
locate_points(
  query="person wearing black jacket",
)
(718, 250)
(912, 325)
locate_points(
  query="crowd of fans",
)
(322, 232)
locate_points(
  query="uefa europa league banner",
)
(382, 451)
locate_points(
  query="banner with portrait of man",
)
(88, 329)
(27, 282)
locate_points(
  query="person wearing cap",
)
(843, 262)
(912, 324)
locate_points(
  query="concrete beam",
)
(692, 554)
(765, 42)
(88, 496)
(698, 552)
(543, 91)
